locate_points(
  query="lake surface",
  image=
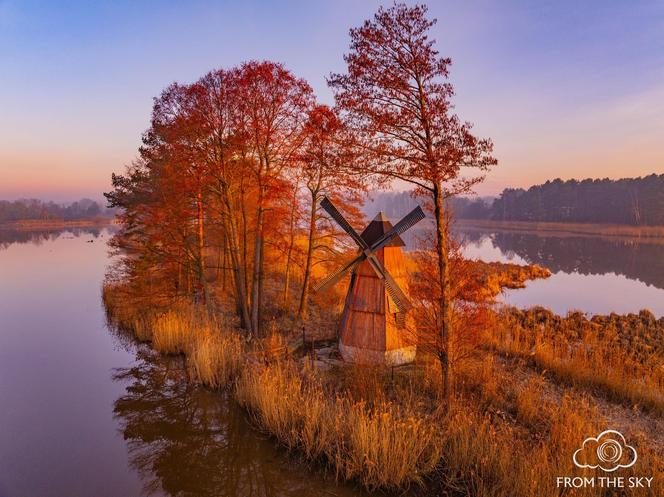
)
(593, 274)
(84, 412)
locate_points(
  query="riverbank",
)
(288, 396)
(519, 409)
(619, 357)
(491, 278)
(652, 233)
(54, 224)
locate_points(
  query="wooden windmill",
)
(375, 311)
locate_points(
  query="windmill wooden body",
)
(374, 324)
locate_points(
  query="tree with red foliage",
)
(471, 313)
(327, 164)
(396, 98)
(289, 246)
(221, 147)
(171, 143)
(274, 105)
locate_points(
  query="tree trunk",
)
(224, 264)
(261, 282)
(178, 283)
(443, 281)
(201, 249)
(243, 212)
(256, 280)
(220, 253)
(289, 254)
(304, 298)
(236, 262)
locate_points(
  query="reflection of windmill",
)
(376, 307)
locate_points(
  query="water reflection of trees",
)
(186, 441)
(37, 237)
(629, 257)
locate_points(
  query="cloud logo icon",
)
(608, 451)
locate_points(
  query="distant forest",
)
(33, 209)
(631, 201)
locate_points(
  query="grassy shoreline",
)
(567, 229)
(38, 224)
(582, 352)
(384, 430)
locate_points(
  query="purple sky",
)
(565, 90)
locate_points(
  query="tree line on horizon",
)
(40, 210)
(628, 201)
(631, 201)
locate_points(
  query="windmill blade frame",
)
(398, 296)
(407, 222)
(341, 221)
(335, 277)
(368, 252)
(393, 289)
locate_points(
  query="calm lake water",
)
(84, 412)
(593, 274)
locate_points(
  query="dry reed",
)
(384, 446)
(175, 331)
(216, 358)
(587, 361)
(497, 439)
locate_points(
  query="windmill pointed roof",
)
(377, 228)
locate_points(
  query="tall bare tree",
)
(396, 97)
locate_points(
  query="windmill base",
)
(393, 357)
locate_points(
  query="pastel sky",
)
(565, 88)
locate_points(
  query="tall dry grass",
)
(122, 311)
(486, 456)
(473, 451)
(497, 439)
(216, 359)
(214, 353)
(586, 359)
(176, 331)
(385, 445)
(515, 435)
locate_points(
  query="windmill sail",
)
(345, 225)
(412, 218)
(399, 298)
(338, 275)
